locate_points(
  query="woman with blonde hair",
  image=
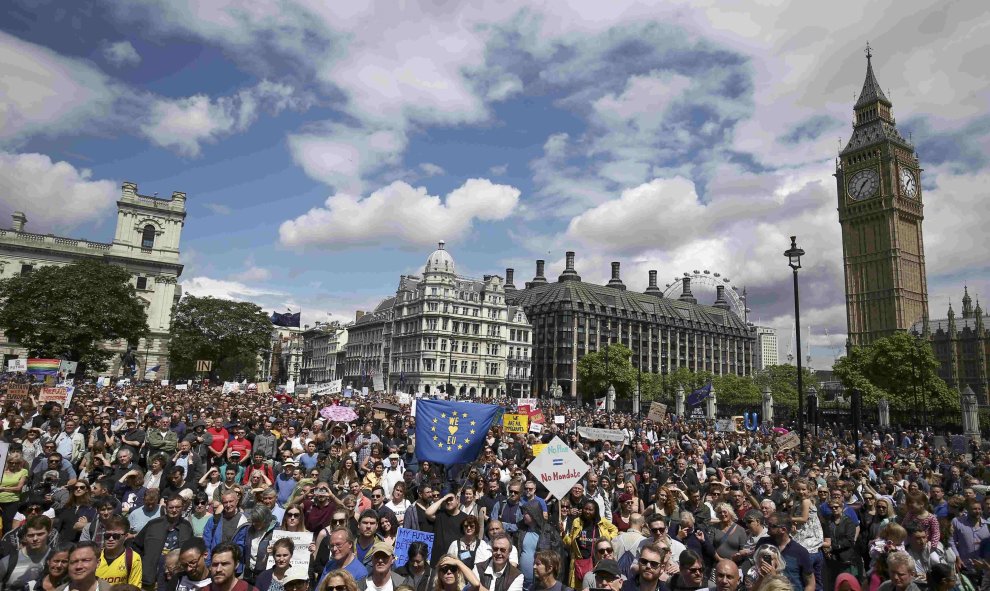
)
(12, 483)
(767, 563)
(775, 583)
(338, 580)
(454, 575)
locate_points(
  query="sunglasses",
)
(447, 569)
(81, 487)
(112, 536)
(294, 514)
(336, 587)
(605, 550)
(651, 564)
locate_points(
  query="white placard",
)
(300, 540)
(535, 427)
(181, 387)
(412, 411)
(290, 387)
(533, 403)
(4, 450)
(558, 468)
(558, 419)
(403, 398)
(17, 365)
(378, 382)
(164, 382)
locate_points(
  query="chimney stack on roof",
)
(19, 220)
(615, 282)
(686, 295)
(720, 301)
(652, 289)
(569, 273)
(539, 279)
(509, 276)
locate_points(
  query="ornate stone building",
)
(878, 181)
(146, 243)
(962, 347)
(571, 318)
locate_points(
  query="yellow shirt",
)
(116, 571)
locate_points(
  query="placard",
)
(17, 365)
(18, 391)
(300, 541)
(725, 426)
(4, 450)
(181, 387)
(536, 428)
(787, 441)
(537, 448)
(558, 419)
(595, 434)
(403, 398)
(378, 382)
(165, 382)
(530, 402)
(537, 417)
(558, 468)
(60, 395)
(515, 423)
(403, 538)
(658, 412)
(379, 415)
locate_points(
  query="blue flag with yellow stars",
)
(451, 432)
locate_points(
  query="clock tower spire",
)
(878, 184)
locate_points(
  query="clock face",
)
(909, 183)
(863, 184)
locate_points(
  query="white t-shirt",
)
(187, 585)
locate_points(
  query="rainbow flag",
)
(42, 367)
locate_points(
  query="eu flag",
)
(699, 395)
(451, 432)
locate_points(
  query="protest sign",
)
(658, 412)
(595, 434)
(61, 395)
(725, 426)
(740, 423)
(515, 423)
(264, 388)
(404, 538)
(17, 365)
(290, 387)
(17, 391)
(558, 419)
(537, 448)
(403, 398)
(300, 539)
(379, 415)
(530, 402)
(537, 417)
(181, 387)
(4, 450)
(165, 382)
(67, 368)
(378, 382)
(558, 468)
(364, 392)
(412, 409)
(787, 441)
(536, 428)
(229, 387)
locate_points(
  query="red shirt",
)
(242, 445)
(220, 437)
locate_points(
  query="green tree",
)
(733, 389)
(611, 365)
(69, 312)
(230, 334)
(782, 380)
(898, 368)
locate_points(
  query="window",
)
(148, 237)
(142, 283)
(474, 348)
(464, 366)
(474, 367)
(443, 365)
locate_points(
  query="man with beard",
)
(223, 570)
(161, 536)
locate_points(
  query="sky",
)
(326, 147)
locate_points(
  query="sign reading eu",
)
(449, 432)
(558, 467)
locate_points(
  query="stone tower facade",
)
(878, 183)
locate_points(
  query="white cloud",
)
(184, 124)
(202, 286)
(341, 156)
(253, 274)
(121, 54)
(430, 169)
(53, 195)
(400, 214)
(218, 208)
(499, 169)
(49, 94)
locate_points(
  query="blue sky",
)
(326, 149)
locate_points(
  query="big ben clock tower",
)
(878, 179)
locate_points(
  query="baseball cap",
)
(295, 573)
(383, 547)
(607, 566)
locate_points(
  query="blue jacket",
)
(213, 534)
(261, 558)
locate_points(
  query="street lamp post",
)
(794, 255)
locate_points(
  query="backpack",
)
(128, 561)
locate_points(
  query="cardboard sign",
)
(537, 448)
(60, 395)
(264, 388)
(658, 412)
(18, 391)
(300, 541)
(725, 426)
(515, 423)
(787, 441)
(740, 423)
(537, 417)
(558, 468)
(595, 434)
(403, 538)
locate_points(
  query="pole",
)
(800, 381)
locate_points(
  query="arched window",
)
(148, 237)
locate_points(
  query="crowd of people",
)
(148, 487)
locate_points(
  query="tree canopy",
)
(228, 333)
(898, 368)
(611, 365)
(782, 380)
(70, 311)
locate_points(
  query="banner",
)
(530, 402)
(451, 432)
(787, 441)
(326, 388)
(17, 365)
(658, 412)
(558, 468)
(403, 539)
(300, 540)
(725, 426)
(18, 391)
(514, 423)
(61, 395)
(595, 434)
(67, 368)
(181, 387)
(42, 367)
(537, 417)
